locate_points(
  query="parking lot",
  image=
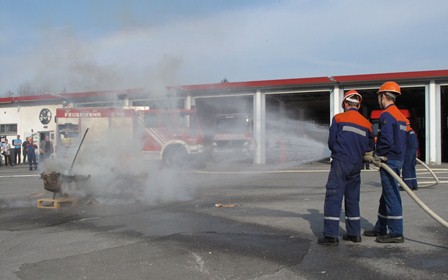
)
(220, 222)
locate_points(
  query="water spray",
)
(377, 162)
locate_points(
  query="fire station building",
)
(312, 100)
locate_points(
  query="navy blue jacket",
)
(411, 139)
(351, 136)
(391, 140)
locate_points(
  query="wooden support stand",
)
(55, 202)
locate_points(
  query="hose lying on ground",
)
(430, 171)
(420, 203)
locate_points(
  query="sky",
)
(87, 45)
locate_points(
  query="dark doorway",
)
(412, 99)
(444, 122)
(209, 108)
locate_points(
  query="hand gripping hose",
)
(420, 203)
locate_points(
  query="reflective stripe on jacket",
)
(351, 136)
(391, 134)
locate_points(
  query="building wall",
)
(424, 91)
(31, 120)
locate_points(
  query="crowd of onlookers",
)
(24, 152)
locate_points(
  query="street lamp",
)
(331, 78)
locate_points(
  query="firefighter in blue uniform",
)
(409, 174)
(350, 136)
(390, 146)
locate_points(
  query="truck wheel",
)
(175, 157)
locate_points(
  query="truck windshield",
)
(232, 124)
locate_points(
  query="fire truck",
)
(233, 137)
(375, 119)
(173, 136)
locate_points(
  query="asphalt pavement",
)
(221, 222)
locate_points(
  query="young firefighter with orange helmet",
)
(350, 136)
(410, 158)
(390, 146)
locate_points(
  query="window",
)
(8, 128)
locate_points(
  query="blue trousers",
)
(343, 182)
(390, 211)
(32, 160)
(408, 172)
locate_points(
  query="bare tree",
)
(27, 89)
(8, 93)
(24, 89)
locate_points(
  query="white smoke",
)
(118, 170)
(120, 173)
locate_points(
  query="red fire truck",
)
(375, 118)
(233, 137)
(174, 136)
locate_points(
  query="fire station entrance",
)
(296, 124)
(291, 116)
(284, 107)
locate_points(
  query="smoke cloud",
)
(119, 172)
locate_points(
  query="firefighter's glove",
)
(381, 158)
(377, 160)
(373, 158)
(368, 157)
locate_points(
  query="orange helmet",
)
(352, 96)
(391, 87)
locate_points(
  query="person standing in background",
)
(31, 149)
(410, 158)
(46, 148)
(24, 151)
(1, 153)
(17, 143)
(7, 153)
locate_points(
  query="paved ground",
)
(168, 227)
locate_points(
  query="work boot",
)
(389, 239)
(352, 238)
(329, 241)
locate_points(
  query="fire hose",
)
(430, 171)
(380, 164)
